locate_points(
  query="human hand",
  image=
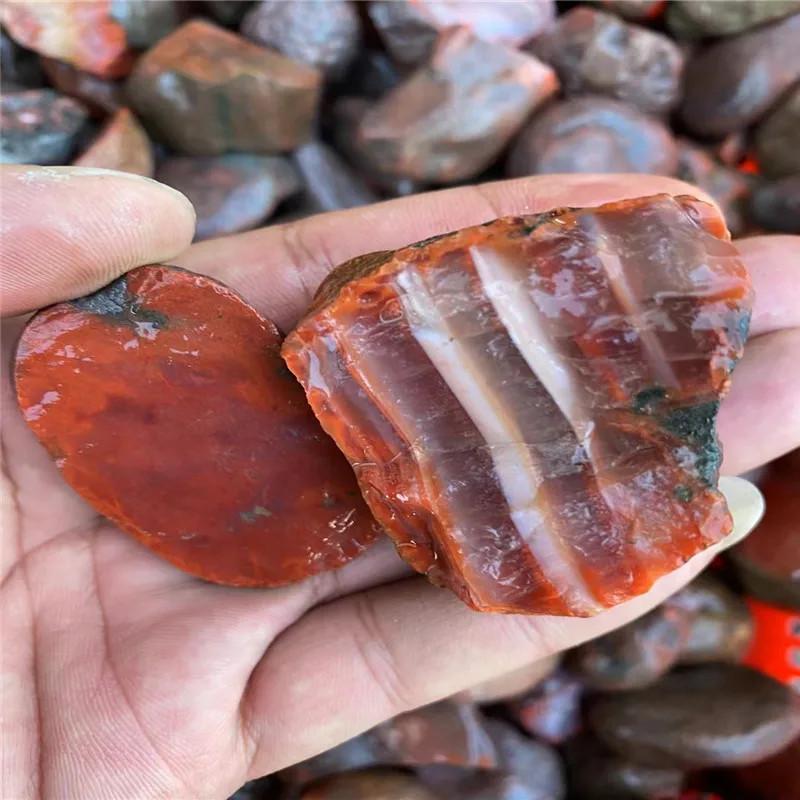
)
(124, 677)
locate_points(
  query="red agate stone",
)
(164, 402)
(529, 404)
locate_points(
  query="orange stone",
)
(122, 145)
(529, 404)
(164, 402)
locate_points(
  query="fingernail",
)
(747, 506)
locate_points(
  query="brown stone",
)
(595, 135)
(100, 95)
(733, 83)
(637, 10)
(448, 120)
(552, 711)
(122, 145)
(330, 184)
(206, 91)
(324, 34)
(708, 18)
(709, 716)
(231, 193)
(596, 52)
(561, 483)
(777, 138)
(775, 205)
(39, 126)
(375, 784)
(82, 34)
(164, 403)
(410, 28)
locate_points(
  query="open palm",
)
(122, 676)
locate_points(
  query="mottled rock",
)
(122, 145)
(702, 18)
(39, 126)
(19, 68)
(729, 187)
(410, 28)
(321, 33)
(709, 716)
(451, 118)
(777, 138)
(330, 184)
(552, 711)
(206, 91)
(82, 34)
(605, 444)
(231, 193)
(375, 784)
(597, 773)
(733, 83)
(775, 205)
(100, 95)
(635, 655)
(596, 52)
(145, 22)
(638, 10)
(596, 135)
(178, 360)
(512, 684)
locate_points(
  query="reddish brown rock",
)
(729, 187)
(375, 784)
(448, 121)
(710, 18)
(39, 126)
(777, 141)
(638, 10)
(101, 96)
(512, 684)
(238, 484)
(552, 711)
(596, 135)
(635, 655)
(410, 28)
(122, 145)
(733, 83)
(596, 52)
(517, 450)
(775, 205)
(206, 91)
(231, 193)
(321, 33)
(710, 716)
(82, 34)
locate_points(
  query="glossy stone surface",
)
(538, 430)
(733, 83)
(39, 126)
(321, 33)
(709, 716)
(777, 139)
(83, 34)
(231, 193)
(452, 117)
(206, 91)
(238, 484)
(122, 145)
(552, 711)
(375, 784)
(702, 18)
(597, 52)
(595, 135)
(410, 28)
(100, 95)
(775, 205)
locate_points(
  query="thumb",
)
(67, 231)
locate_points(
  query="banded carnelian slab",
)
(165, 403)
(529, 404)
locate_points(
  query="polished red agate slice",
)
(165, 403)
(529, 404)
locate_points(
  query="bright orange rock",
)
(529, 404)
(165, 404)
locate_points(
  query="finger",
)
(407, 644)
(69, 230)
(279, 268)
